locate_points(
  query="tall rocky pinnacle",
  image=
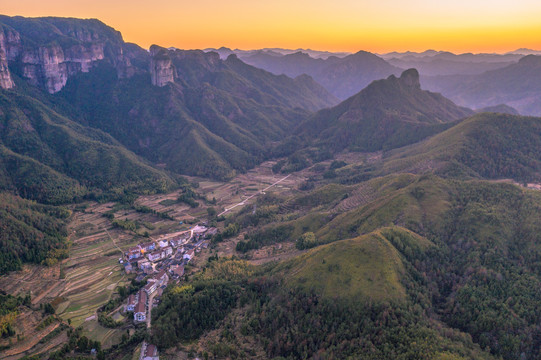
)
(410, 78)
(161, 69)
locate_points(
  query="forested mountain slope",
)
(387, 114)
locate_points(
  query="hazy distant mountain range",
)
(517, 85)
(346, 74)
(446, 63)
(316, 54)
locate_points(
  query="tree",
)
(306, 241)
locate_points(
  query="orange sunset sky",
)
(339, 25)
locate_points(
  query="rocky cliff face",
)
(5, 76)
(161, 69)
(51, 66)
(48, 62)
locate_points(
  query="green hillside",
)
(30, 232)
(488, 145)
(413, 236)
(364, 268)
(254, 313)
(49, 158)
(470, 252)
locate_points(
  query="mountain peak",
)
(530, 60)
(410, 78)
(387, 114)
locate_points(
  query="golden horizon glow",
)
(341, 25)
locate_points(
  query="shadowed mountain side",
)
(502, 109)
(387, 114)
(213, 119)
(188, 111)
(49, 158)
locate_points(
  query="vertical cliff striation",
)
(48, 51)
(5, 76)
(162, 70)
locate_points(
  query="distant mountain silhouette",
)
(517, 85)
(502, 109)
(433, 63)
(343, 77)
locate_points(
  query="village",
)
(160, 261)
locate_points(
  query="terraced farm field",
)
(361, 196)
(79, 285)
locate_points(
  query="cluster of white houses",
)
(161, 260)
(143, 256)
(139, 303)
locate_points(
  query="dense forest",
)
(291, 323)
(465, 253)
(31, 232)
(50, 158)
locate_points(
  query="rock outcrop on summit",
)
(161, 69)
(387, 114)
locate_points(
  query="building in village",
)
(150, 246)
(151, 286)
(163, 243)
(168, 250)
(176, 271)
(140, 311)
(176, 242)
(189, 254)
(144, 265)
(162, 278)
(199, 230)
(149, 352)
(156, 255)
(133, 252)
(132, 302)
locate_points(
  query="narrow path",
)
(257, 193)
(149, 311)
(113, 240)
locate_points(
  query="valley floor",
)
(79, 285)
(76, 287)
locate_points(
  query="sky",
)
(340, 25)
